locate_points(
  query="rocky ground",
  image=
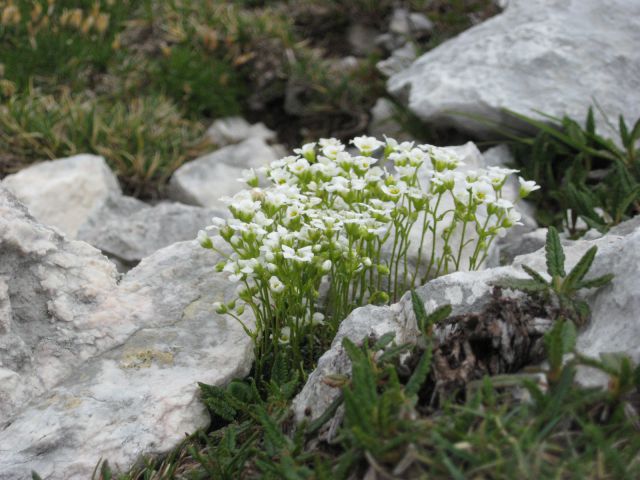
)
(106, 320)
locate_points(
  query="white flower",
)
(299, 166)
(363, 163)
(394, 191)
(358, 184)
(281, 176)
(331, 151)
(261, 219)
(293, 212)
(416, 157)
(249, 177)
(326, 266)
(482, 191)
(367, 144)
(204, 240)
(337, 184)
(219, 308)
(513, 218)
(324, 142)
(444, 158)
(527, 186)
(275, 285)
(317, 318)
(405, 171)
(234, 269)
(308, 149)
(304, 254)
(374, 174)
(248, 266)
(285, 335)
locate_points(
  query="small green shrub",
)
(562, 287)
(586, 175)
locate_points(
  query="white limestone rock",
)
(64, 192)
(91, 369)
(547, 55)
(409, 24)
(129, 230)
(203, 181)
(54, 301)
(383, 121)
(399, 60)
(465, 292)
(232, 130)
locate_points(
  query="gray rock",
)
(405, 23)
(520, 242)
(546, 55)
(64, 192)
(232, 130)
(91, 369)
(316, 396)
(464, 291)
(54, 300)
(203, 181)
(129, 230)
(383, 121)
(399, 60)
(389, 41)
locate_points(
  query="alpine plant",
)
(337, 226)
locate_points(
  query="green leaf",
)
(583, 311)
(559, 340)
(554, 253)
(439, 314)
(384, 340)
(596, 282)
(535, 275)
(419, 310)
(217, 400)
(612, 362)
(624, 203)
(578, 272)
(327, 415)
(105, 471)
(419, 375)
(271, 429)
(590, 124)
(624, 131)
(553, 345)
(569, 337)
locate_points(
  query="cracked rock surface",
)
(94, 369)
(548, 56)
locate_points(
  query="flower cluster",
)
(359, 224)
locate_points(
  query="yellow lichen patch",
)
(72, 402)
(145, 358)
